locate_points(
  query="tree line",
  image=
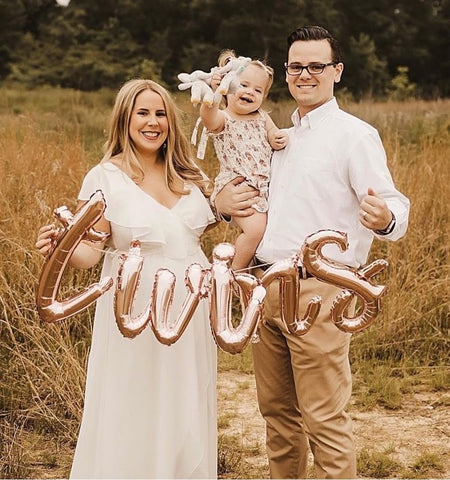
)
(390, 47)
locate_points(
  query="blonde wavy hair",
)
(176, 151)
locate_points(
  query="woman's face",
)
(149, 126)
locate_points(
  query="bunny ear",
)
(184, 86)
(196, 92)
(225, 69)
(224, 86)
(184, 77)
(245, 60)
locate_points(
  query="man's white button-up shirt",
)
(318, 182)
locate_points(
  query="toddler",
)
(244, 137)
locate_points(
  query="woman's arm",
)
(86, 255)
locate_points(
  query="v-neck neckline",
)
(147, 195)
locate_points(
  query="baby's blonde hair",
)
(226, 55)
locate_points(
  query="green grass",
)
(234, 459)
(377, 464)
(426, 465)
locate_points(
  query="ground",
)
(422, 425)
(408, 442)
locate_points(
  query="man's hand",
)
(374, 212)
(236, 199)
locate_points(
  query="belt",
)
(302, 272)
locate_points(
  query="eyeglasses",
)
(313, 69)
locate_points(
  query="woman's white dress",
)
(150, 409)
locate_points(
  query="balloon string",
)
(117, 250)
(260, 265)
(106, 252)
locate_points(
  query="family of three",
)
(150, 410)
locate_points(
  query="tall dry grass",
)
(48, 140)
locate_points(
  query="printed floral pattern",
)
(243, 150)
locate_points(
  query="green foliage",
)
(400, 87)
(440, 379)
(232, 461)
(378, 386)
(376, 464)
(427, 465)
(90, 45)
(239, 363)
(365, 73)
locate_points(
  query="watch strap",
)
(389, 228)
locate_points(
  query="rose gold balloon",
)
(246, 283)
(355, 282)
(76, 228)
(168, 332)
(227, 337)
(129, 273)
(286, 271)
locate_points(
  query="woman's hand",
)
(46, 239)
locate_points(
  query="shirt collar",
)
(314, 117)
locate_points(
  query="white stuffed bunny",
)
(199, 82)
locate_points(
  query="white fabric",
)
(203, 139)
(150, 409)
(318, 182)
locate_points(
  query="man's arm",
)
(380, 201)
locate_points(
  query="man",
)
(332, 175)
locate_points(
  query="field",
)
(49, 138)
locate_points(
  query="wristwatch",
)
(389, 228)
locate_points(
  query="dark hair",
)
(308, 33)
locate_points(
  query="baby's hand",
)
(216, 78)
(279, 139)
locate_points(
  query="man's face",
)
(309, 90)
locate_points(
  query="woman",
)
(150, 410)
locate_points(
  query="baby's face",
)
(251, 92)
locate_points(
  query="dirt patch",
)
(421, 425)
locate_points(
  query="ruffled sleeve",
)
(135, 215)
(128, 208)
(92, 182)
(195, 210)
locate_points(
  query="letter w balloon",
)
(166, 331)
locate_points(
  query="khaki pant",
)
(303, 385)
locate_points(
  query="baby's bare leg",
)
(252, 231)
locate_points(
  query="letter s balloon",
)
(355, 282)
